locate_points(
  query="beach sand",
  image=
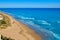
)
(19, 31)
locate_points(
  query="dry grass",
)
(5, 22)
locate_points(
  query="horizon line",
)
(59, 8)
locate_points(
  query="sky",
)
(29, 3)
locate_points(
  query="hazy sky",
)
(29, 3)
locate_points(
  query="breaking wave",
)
(45, 33)
(31, 22)
(58, 21)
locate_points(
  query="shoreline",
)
(23, 32)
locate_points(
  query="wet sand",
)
(19, 31)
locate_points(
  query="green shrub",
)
(5, 38)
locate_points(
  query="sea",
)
(44, 21)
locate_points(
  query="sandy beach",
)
(19, 31)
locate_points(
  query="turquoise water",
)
(45, 21)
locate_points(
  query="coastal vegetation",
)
(4, 21)
(5, 38)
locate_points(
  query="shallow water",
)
(45, 21)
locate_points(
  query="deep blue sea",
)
(45, 21)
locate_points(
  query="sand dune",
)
(18, 31)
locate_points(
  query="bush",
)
(5, 38)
